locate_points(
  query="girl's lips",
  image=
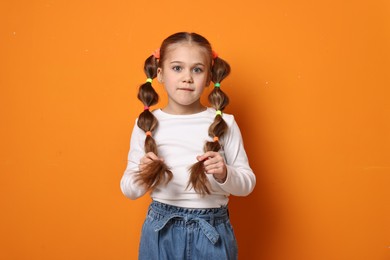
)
(186, 89)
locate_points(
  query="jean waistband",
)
(206, 218)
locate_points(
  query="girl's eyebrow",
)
(196, 64)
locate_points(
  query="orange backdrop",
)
(309, 87)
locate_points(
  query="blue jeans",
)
(171, 232)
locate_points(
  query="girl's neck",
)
(182, 110)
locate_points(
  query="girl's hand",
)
(148, 158)
(214, 164)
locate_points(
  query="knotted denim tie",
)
(208, 230)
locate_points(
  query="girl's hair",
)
(157, 172)
(220, 69)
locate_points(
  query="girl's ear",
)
(159, 75)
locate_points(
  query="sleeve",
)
(240, 179)
(129, 187)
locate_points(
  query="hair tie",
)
(146, 108)
(216, 139)
(148, 133)
(149, 80)
(214, 55)
(156, 53)
(217, 85)
(218, 112)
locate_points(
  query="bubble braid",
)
(218, 100)
(155, 172)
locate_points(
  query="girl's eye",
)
(198, 70)
(176, 68)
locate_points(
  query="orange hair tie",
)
(156, 54)
(216, 139)
(214, 55)
(148, 133)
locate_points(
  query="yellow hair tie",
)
(218, 112)
(149, 80)
(148, 133)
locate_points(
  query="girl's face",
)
(184, 74)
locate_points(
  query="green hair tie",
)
(217, 85)
(149, 80)
(218, 112)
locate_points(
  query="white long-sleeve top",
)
(180, 139)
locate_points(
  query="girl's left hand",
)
(214, 164)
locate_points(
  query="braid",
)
(156, 172)
(218, 100)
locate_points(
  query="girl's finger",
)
(214, 160)
(153, 157)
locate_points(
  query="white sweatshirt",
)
(180, 139)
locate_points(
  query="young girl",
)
(189, 156)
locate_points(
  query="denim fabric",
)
(171, 233)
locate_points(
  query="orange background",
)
(309, 88)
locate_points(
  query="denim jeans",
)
(171, 232)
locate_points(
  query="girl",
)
(189, 156)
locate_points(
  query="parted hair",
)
(157, 172)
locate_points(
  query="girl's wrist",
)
(219, 179)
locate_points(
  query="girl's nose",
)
(187, 77)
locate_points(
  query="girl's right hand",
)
(148, 158)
